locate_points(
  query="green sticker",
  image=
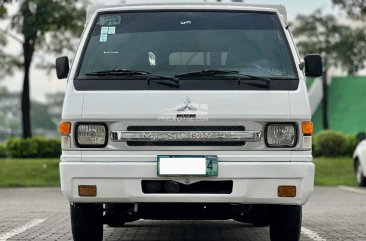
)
(103, 38)
(104, 30)
(112, 30)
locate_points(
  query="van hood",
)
(116, 105)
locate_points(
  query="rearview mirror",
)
(313, 65)
(62, 67)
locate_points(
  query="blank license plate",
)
(187, 166)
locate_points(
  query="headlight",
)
(91, 135)
(281, 135)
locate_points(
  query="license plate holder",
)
(177, 165)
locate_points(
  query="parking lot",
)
(42, 214)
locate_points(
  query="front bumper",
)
(253, 182)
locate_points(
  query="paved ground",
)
(42, 214)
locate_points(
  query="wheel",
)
(87, 222)
(361, 179)
(285, 223)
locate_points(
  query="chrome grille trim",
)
(246, 136)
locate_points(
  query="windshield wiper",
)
(265, 82)
(206, 72)
(149, 76)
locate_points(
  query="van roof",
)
(188, 6)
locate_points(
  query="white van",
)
(187, 111)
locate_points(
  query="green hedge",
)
(333, 144)
(32, 147)
(2, 150)
(352, 144)
(326, 143)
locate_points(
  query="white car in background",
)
(360, 161)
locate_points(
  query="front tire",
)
(87, 222)
(361, 179)
(285, 223)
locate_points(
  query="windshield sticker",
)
(152, 59)
(111, 52)
(109, 20)
(185, 22)
(103, 38)
(104, 30)
(112, 30)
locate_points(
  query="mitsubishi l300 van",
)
(187, 111)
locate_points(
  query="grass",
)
(29, 173)
(45, 173)
(334, 171)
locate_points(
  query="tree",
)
(6, 62)
(9, 114)
(47, 25)
(43, 120)
(355, 8)
(339, 45)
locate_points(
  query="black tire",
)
(361, 179)
(285, 223)
(87, 222)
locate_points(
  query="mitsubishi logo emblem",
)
(187, 104)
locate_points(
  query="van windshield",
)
(170, 43)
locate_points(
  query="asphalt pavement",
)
(337, 213)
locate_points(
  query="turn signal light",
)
(87, 190)
(287, 191)
(64, 128)
(307, 128)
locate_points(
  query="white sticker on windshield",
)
(112, 30)
(111, 52)
(109, 20)
(104, 30)
(103, 38)
(185, 22)
(152, 59)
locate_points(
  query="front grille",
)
(203, 187)
(185, 143)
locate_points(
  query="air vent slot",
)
(185, 143)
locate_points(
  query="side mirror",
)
(313, 65)
(62, 67)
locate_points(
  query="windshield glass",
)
(170, 43)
